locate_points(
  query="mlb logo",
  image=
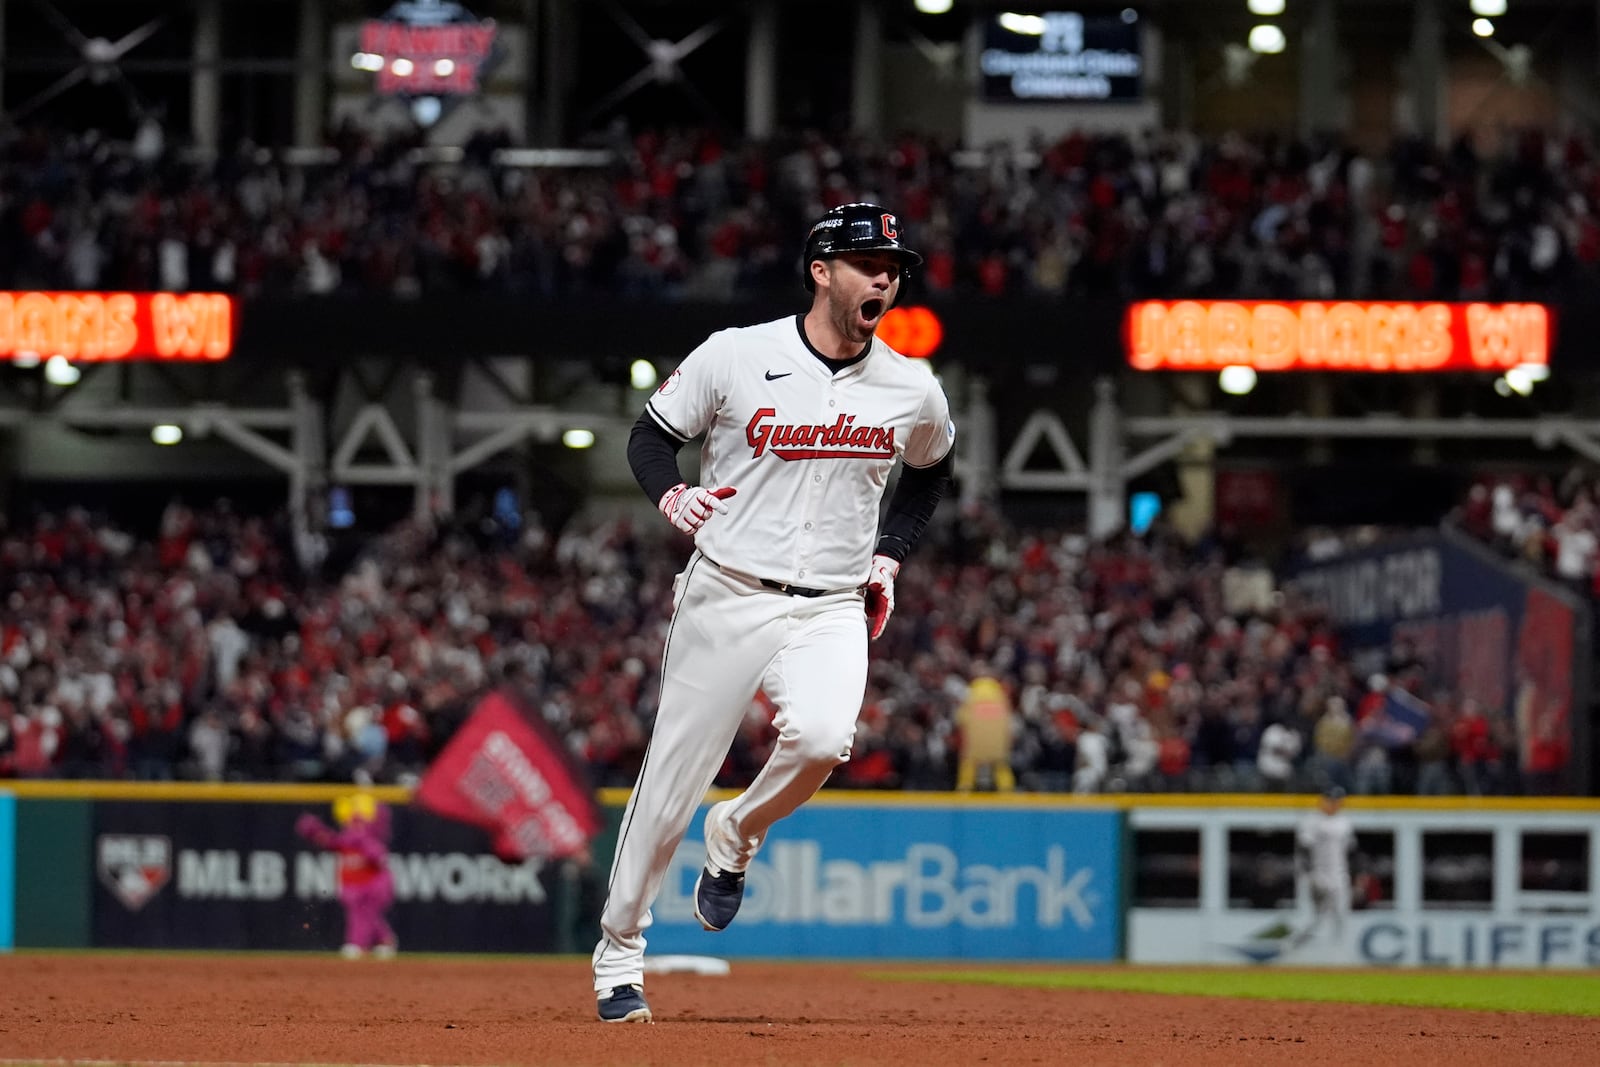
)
(134, 867)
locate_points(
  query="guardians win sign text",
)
(1199, 335)
(103, 327)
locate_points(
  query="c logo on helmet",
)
(889, 230)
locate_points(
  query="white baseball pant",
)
(728, 638)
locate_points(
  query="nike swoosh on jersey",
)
(774, 377)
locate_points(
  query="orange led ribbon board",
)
(1201, 335)
(108, 327)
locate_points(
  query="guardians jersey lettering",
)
(841, 440)
(777, 425)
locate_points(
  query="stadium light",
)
(934, 7)
(1236, 381)
(1266, 40)
(166, 433)
(1032, 25)
(58, 371)
(1266, 8)
(1483, 27)
(642, 374)
(426, 110)
(1490, 8)
(402, 67)
(443, 68)
(1518, 382)
(578, 438)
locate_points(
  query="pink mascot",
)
(366, 888)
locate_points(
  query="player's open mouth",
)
(871, 309)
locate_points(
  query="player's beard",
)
(849, 319)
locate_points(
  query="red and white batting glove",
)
(880, 594)
(689, 506)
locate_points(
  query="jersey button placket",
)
(813, 500)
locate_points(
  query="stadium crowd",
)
(1550, 523)
(687, 214)
(218, 649)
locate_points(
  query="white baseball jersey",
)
(1328, 839)
(810, 452)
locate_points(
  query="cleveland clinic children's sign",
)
(1062, 56)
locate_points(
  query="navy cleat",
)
(717, 896)
(624, 1004)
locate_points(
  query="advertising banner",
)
(8, 871)
(225, 875)
(435, 47)
(1062, 56)
(1372, 939)
(1486, 632)
(914, 882)
(1430, 887)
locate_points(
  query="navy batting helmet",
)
(854, 228)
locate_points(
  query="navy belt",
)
(796, 590)
(785, 588)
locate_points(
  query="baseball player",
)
(1323, 844)
(804, 419)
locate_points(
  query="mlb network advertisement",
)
(908, 882)
(220, 875)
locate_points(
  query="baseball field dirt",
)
(259, 1009)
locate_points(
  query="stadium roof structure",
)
(390, 422)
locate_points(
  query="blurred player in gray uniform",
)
(804, 419)
(1324, 843)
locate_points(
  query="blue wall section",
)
(8, 871)
(900, 882)
(1485, 629)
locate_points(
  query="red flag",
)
(506, 771)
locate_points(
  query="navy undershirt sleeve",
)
(653, 455)
(915, 498)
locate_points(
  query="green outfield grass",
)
(1545, 992)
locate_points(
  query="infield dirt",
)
(239, 1009)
